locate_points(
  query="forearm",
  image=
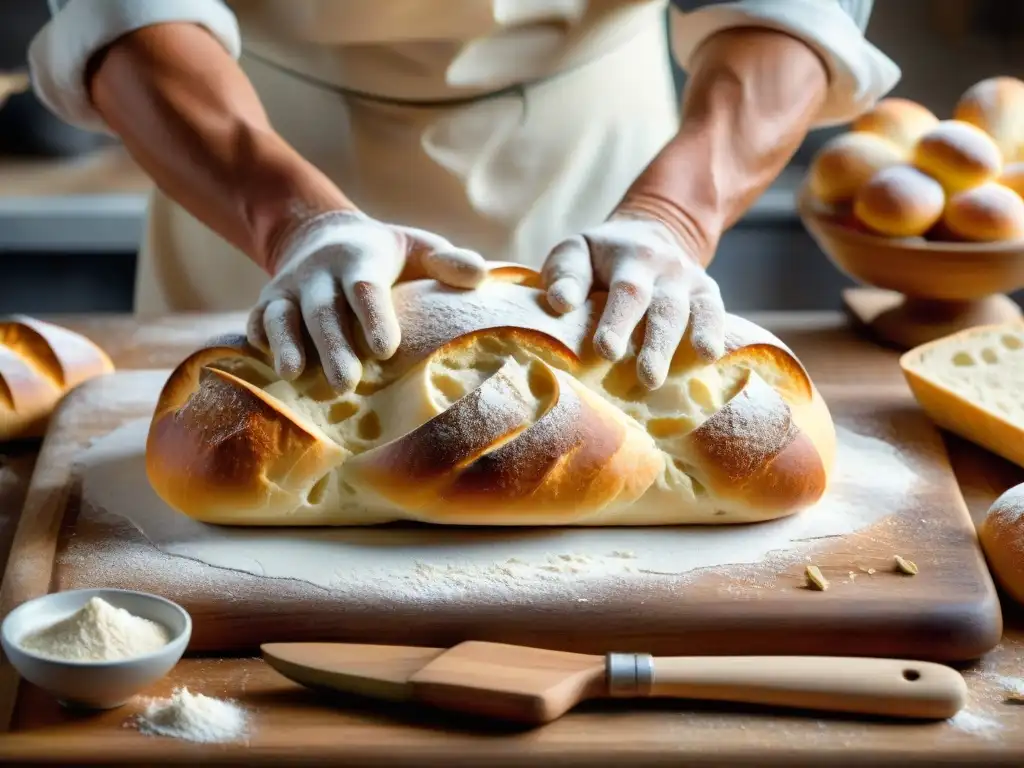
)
(751, 97)
(190, 118)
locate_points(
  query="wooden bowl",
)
(931, 289)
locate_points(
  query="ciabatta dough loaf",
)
(494, 411)
(39, 363)
(1002, 537)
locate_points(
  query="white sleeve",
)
(60, 52)
(859, 73)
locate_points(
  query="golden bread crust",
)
(494, 411)
(40, 363)
(1002, 538)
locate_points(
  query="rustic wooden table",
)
(989, 732)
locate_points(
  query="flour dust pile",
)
(499, 564)
(194, 717)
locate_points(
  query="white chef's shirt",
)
(394, 47)
(503, 125)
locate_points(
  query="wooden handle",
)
(890, 687)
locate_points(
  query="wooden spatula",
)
(533, 685)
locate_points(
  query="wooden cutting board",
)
(948, 612)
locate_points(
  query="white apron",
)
(563, 103)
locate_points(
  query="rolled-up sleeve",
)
(60, 52)
(859, 73)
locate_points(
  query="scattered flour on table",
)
(971, 722)
(98, 631)
(194, 717)
(872, 480)
(1011, 687)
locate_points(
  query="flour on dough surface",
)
(872, 480)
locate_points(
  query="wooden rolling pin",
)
(535, 686)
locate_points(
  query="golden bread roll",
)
(39, 363)
(900, 201)
(996, 106)
(987, 213)
(958, 155)
(1013, 177)
(901, 121)
(846, 162)
(493, 411)
(1002, 537)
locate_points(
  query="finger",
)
(282, 325)
(430, 255)
(323, 307)
(666, 324)
(629, 295)
(375, 312)
(568, 274)
(255, 333)
(707, 334)
(459, 268)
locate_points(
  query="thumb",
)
(431, 255)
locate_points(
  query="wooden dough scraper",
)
(535, 686)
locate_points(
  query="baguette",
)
(972, 384)
(39, 363)
(493, 411)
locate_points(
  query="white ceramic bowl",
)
(94, 684)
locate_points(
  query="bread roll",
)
(901, 121)
(39, 363)
(958, 155)
(1013, 178)
(846, 162)
(900, 201)
(987, 213)
(493, 411)
(996, 106)
(1002, 537)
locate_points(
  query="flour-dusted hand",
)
(340, 260)
(647, 272)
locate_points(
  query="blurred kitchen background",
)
(72, 205)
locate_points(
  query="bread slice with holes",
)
(493, 411)
(972, 384)
(39, 363)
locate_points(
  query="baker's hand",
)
(346, 259)
(647, 271)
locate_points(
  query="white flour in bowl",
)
(873, 479)
(98, 631)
